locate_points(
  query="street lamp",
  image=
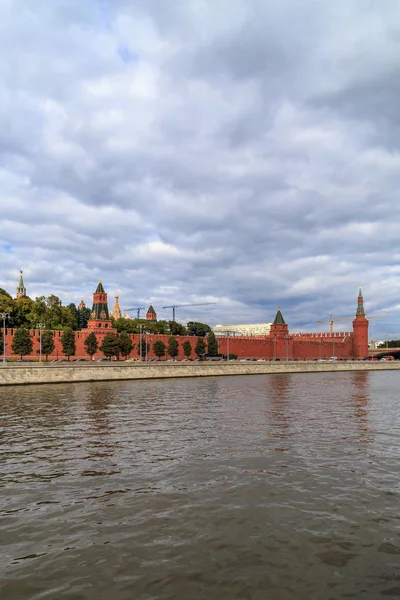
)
(40, 327)
(140, 342)
(4, 315)
(275, 342)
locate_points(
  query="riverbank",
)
(38, 373)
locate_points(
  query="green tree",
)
(162, 327)
(3, 292)
(68, 342)
(21, 313)
(110, 345)
(22, 342)
(125, 344)
(125, 325)
(212, 344)
(187, 348)
(74, 316)
(173, 347)
(91, 344)
(200, 347)
(159, 349)
(6, 303)
(198, 329)
(83, 317)
(176, 328)
(47, 343)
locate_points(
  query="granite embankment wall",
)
(55, 373)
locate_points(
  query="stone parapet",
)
(11, 374)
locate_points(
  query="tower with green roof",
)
(21, 289)
(360, 329)
(100, 318)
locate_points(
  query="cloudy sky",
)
(242, 152)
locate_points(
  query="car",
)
(102, 359)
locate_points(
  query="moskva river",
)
(281, 487)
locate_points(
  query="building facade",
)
(248, 329)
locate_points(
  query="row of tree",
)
(390, 344)
(113, 344)
(49, 311)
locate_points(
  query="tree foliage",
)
(22, 342)
(68, 342)
(390, 344)
(3, 292)
(91, 344)
(198, 329)
(176, 328)
(83, 317)
(125, 343)
(47, 343)
(159, 349)
(173, 347)
(200, 347)
(187, 348)
(212, 344)
(110, 346)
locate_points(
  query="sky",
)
(238, 152)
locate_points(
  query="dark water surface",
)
(264, 487)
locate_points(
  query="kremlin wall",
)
(278, 344)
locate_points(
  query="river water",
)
(273, 487)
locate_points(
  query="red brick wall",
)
(297, 346)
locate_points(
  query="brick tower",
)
(279, 332)
(99, 318)
(21, 289)
(151, 314)
(360, 329)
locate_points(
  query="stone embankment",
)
(22, 374)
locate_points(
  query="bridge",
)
(381, 352)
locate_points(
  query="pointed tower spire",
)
(279, 320)
(100, 318)
(360, 304)
(360, 329)
(151, 314)
(21, 289)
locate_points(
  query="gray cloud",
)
(243, 153)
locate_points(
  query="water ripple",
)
(279, 486)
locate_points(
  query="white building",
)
(250, 329)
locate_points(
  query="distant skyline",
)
(244, 153)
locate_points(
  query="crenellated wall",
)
(295, 346)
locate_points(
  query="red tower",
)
(99, 318)
(279, 332)
(360, 329)
(151, 314)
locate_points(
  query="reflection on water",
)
(282, 487)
